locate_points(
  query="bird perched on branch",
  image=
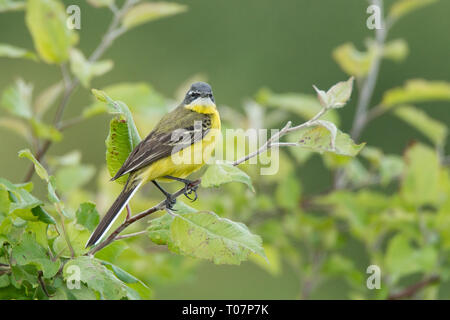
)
(180, 144)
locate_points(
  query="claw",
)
(170, 202)
(189, 189)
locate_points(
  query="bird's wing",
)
(176, 130)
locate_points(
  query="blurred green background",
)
(241, 46)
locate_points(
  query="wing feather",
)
(178, 129)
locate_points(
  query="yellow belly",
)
(186, 161)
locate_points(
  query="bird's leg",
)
(189, 187)
(170, 200)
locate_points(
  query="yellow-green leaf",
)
(219, 173)
(16, 99)
(85, 70)
(45, 131)
(9, 51)
(15, 125)
(205, 235)
(40, 170)
(419, 186)
(353, 61)
(320, 139)
(46, 20)
(396, 50)
(100, 3)
(435, 130)
(11, 5)
(403, 7)
(47, 98)
(149, 11)
(417, 90)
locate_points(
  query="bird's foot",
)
(190, 188)
(170, 202)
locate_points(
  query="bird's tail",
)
(122, 200)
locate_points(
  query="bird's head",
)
(200, 95)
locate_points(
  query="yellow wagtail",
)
(180, 144)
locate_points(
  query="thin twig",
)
(368, 86)
(415, 288)
(42, 284)
(130, 235)
(128, 211)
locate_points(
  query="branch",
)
(114, 236)
(413, 289)
(113, 32)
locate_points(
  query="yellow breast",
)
(188, 160)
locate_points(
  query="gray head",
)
(198, 90)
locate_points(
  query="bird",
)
(180, 144)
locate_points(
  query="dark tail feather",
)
(113, 212)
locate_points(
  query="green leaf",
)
(304, 105)
(391, 167)
(118, 147)
(159, 229)
(100, 3)
(221, 173)
(51, 190)
(22, 200)
(87, 216)
(435, 130)
(352, 61)
(123, 135)
(39, 229)
(28, 251)
(132, 282)
(419, 186)
(417, 90)
(402, 258)
(396, 50)
(78, 237)
(337, 96)
(141, 98)
(320, 139)
(112, 252)
(47, 98)
(46, 20)
(24, 274)
(43, 215)
(96, 277)
(205, 235)
(150, 11)
(40, 170)
(11, 5)
(17, 126)
(403, 7)
(85, 70)
(16, 99)
(45, 131)
(72, 177)
(9, 51)
(121, 110)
